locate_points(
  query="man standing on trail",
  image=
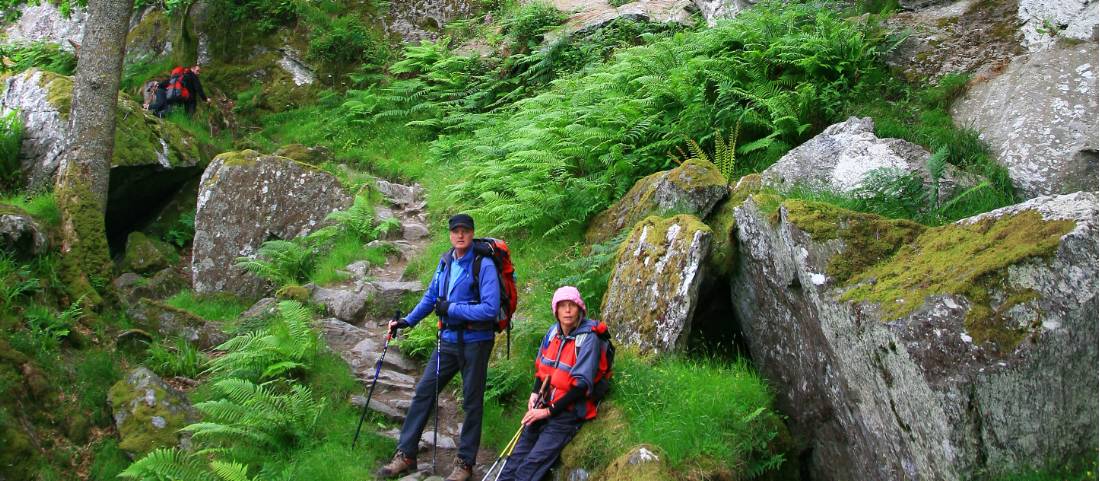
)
(566, 369)
(467, 314)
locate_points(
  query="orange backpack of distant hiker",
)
(177, 92)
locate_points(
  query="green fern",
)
(280, 262)
(287, 345)
(256, 415)
(164, 464)
(357, 220)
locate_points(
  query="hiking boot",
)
(461, 472)
(401, 464)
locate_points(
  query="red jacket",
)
(569, 361)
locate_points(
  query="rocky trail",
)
(364, 304)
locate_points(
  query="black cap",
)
(460, 220)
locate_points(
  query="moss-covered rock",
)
(893, 347)
(640, 464)
(652, 294)
(316, 155)
(692, 188)
(723, 247)
(145, 255)
(21, 234)
(156, 316)
(148, 413)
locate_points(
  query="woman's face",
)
(569, 314)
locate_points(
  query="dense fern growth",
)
(285, 346)
(781, 72)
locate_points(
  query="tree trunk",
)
(84, 173)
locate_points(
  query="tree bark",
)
(84, 174)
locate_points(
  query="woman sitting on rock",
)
(569, 370)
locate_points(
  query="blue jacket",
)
(464, 308)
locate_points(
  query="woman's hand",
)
(535, 415)
(531, 402)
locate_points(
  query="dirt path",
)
(360, 345)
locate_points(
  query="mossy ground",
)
(138, 433)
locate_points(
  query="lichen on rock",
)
(149, 413)
(145, 255)
(652, 293)
(692, 188)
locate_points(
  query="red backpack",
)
(176, 90)
(497, 250)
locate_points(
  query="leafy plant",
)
(725, 154)
(281, 262)
(357, 220)
(287, 345)
(183, 231)
(526, 26)
(48, 329)
(16, 279)
(11, 140)
(43, 55)
(180, 359)
(259, 415)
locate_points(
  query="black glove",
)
(441, 306)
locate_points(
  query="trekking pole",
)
(435, 433)
(377, 370)
(506, 454)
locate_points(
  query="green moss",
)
(85, 261)
(152, 29)
(650, 471)
(294, 293)
(59, 92)
(244, 158)
(138, 433)
(632, 270)
(145, 255)
(696, 174)
(723, 250)
(867, 238)
(988, 324)
(964, 259)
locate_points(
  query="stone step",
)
(386, 409)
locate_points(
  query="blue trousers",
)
(539, 446)
(475, 365)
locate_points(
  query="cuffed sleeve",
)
(427, 302)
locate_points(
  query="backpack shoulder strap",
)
(444, 270)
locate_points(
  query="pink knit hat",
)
(567, 293)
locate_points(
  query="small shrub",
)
(179, 359)
(526, 26)
(11, 140)
(42, 55)
(182, 232)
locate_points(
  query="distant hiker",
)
(467, 313)
(149, 93)
(160, 105)
(194, 85)
(571, 368)
(184, 87)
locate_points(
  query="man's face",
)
(462, 237)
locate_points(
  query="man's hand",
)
(399, 324)
(441, 306)
(531, 402)
(535, 415)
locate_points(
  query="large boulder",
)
(1039, 116)
(43, 100)
(692, 188)
(715, 10)
(652, 293)
(21, 234)
(946, 351)
(1044, 22)
(848, 154)
(245, 199)
(149, 413)
(591, 16)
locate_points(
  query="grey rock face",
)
(1039, 117)
(920, 397)
(652, 294)
(20, 233)
(44, 22)
(44, 130)
(171, 322)
(1045, 21)
(403, 196)
(715, 10)
(246, 199)
(299, 71)
(846, 155)
(589, 16)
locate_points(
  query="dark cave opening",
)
(136, 195)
